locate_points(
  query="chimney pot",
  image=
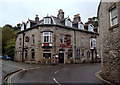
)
(60, 14)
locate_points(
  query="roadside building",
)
(109, 24)
(56, 40)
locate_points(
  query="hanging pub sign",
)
(27, 39)
(68, 40)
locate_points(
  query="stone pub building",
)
(54, 40)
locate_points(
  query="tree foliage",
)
(8, 40)
(94, 21)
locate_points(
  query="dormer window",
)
(90, 28)
(80, 26)
(28, 24)
(47, 20)
(68, 23)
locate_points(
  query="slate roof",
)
(56, 22)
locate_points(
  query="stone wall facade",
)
(80, 45)
(110, 41)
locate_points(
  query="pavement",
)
(58, 74)
(8, 67)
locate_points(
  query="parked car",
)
(6, 57)
(1, 57)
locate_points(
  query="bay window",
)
(47, 37)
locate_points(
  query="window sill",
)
(114, 26)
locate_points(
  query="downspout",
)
(23, 48)
(75, 45)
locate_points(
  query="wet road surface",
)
(75, 73)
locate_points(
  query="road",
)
(60, 74)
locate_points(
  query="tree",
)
(8, 40)
(93, 20)
(10, 47)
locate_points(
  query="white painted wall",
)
(90, 28)
(28, 25)
(22, 27)
(80, 26)
(68, 23)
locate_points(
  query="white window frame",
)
(33, 39)
(47, 20)
(80, 26)
(28, 25)
(114, 17)
(93, 41)
(62, 38)
(68, 23)
(47, 34)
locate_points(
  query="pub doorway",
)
(61, 56)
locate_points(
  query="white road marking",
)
(32, 68)
(60, 70)
(56, 81)
(9, 78)
(56, 71)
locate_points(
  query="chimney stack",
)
(37, 18)
(60, 14)
(77, 18)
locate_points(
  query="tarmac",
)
(22, 66)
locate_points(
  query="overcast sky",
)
(15, 11)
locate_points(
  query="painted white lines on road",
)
(60, 70)
(56, 81)
(56, 73)
(10, 77)
(32, 68)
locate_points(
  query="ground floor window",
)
(33, 53)
(26, 54)
(69, 53)
(82, 53)
(88, 54)
(47, 55)
(78, 53)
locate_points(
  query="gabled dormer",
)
(23, 26)
(90, 28)
(68, 22)
(28, 24)
(47, 20)
(80, 25)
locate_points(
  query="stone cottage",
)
(109, 24)
(56, 40)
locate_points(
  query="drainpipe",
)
(23, 48)
(75, 45)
